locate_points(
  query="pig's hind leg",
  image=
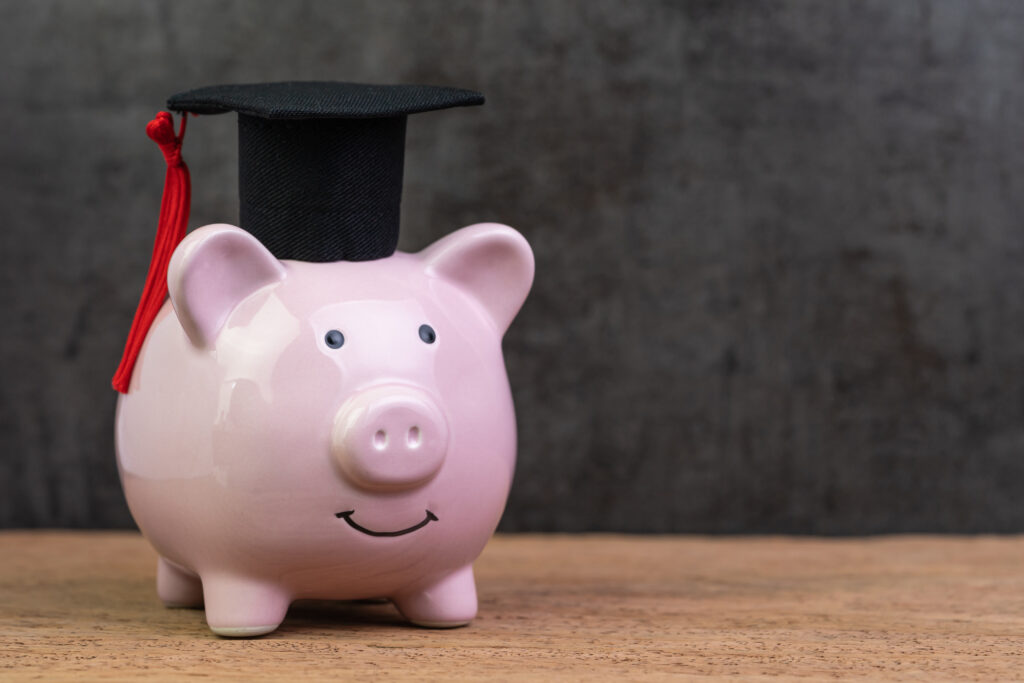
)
(177, 587)
(445, 603)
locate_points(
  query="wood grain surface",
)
(82, 605)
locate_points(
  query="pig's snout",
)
(390, 438)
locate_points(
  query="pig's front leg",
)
(241, 607)
(446, 603)
(176, 587)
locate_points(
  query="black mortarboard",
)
(320, 163)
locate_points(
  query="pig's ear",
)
(211, 272)
(492, 262)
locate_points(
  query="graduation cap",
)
(320, 173)
(320, 164)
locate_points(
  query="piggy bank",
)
(324, 430)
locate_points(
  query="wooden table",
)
(82, 605)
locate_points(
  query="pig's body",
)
(260, 458)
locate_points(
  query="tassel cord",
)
(174, 212)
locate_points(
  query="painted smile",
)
(347, 516)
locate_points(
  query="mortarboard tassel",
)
(174, 210)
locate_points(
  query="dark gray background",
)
(779, 244)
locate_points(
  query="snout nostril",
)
(380, 440)
(414, 438)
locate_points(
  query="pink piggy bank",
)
(324, 430)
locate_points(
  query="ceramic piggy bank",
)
(324, 430)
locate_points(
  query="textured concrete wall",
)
(779, 244)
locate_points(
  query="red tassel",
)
(170, 231)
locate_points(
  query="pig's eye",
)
(427, 334)
(334, 339)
